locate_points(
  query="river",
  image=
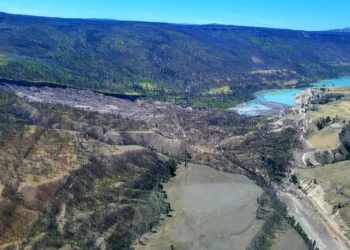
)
(274, 101)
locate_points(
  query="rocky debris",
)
(28, 110)
(309, 159)
(315, 224)
(320, 158)
(88, 100)
(149, 139)
(169, 120)
(97, 131)
(317, 194)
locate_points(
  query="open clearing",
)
(341, 109)
(325, 139)
(147, 85)
(218, 90)
(328, 137)
(340, 90)
(212, 210)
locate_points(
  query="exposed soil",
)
(212, 210)
(314, 222)
(289, 240)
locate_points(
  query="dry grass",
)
(345, 215)
(23, 220)
(341, 109)
(328, 137)
(287, 238)
(291, 82)
(345, 90)
(325, 139)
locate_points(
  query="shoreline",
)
(272, 102)
(313, 218)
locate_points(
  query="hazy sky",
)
(293, 14)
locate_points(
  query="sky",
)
(290, 14)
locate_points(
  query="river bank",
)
(274, 101)
(306, 200)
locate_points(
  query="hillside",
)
(82, 170)
(61, 184)
(172, 62)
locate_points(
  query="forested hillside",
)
(166, 61)
(93, 179)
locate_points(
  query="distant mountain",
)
(101, 19)
(342, 30)
(154, 58)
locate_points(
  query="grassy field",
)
(147, 85)
(213, 101)
(328, 137)
(325, 139)
(218, 90)
(3, 60)
(340, 90)
(341, 109)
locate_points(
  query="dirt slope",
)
(213, 210)
(174, 147)
(314, 222)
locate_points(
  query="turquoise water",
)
(338, 82)
(282, 96)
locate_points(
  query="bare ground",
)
(212, 210)
(314, 221)
(169, 120)
(288, 239)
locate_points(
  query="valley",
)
(106, 129)
(97, 163)
(215, 66)
(213, 150)
(133, 135)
